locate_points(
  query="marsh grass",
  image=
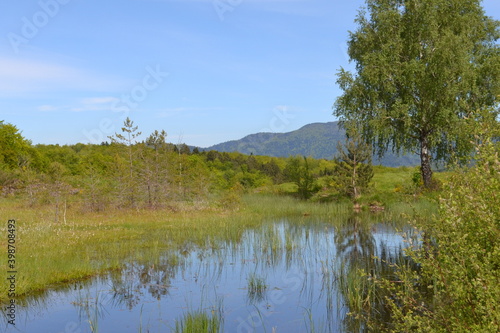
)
(91, 308)
(359, 294)
(284, 206)
(256, 288)
(49, 254)
(202, 320)
(88, 244)
(311, 327)
(198, 322)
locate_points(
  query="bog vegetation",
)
(127, 198)
(427, 80)
(85, 209)
(130, 173)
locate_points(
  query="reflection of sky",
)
(296, 262)
(384, 234)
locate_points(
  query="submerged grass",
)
(198, 322)
(256, 288)
(88, 244)
(91, 308)
(202, 320)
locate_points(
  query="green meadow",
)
(84, 244)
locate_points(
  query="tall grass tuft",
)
(92, 309)
(199, 322)
(256, 288)
(359, 293)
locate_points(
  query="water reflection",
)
(281, 277)
(366, 252)
(355, 241)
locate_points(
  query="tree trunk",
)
(425, 161)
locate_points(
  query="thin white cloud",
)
(48, 108)
(20, 76)
(83, 105)
(96, 104)
(99, 100)
(17, 76)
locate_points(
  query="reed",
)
(256, 288)
(88, 244)
(91, 308)
(198, 322)
(202, 320)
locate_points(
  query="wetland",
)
(294, 270)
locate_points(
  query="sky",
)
(205, 71)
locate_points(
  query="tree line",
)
(128, 172)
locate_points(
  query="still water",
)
(281, 277)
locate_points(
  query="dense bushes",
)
(457, 286)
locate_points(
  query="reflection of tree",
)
(355, 242)
(157, 279)
(358, 269)
(130, 284)
(124, 290)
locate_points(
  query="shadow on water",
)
(294, 275)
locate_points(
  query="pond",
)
(281, 277)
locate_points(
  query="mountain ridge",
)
(318, 140)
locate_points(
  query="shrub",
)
(457, 286)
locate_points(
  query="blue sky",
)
(205, 71)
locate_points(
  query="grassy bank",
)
(86, 244)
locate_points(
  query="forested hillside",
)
(318, 140)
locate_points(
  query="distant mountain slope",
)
(318, 140)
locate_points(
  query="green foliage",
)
(423, 70)
(154, 172)
(151, 174)
(198, 322)
(231, 200)
(353, 171)
(250, 172)
(65, 155)
(15, 150)
(129, 135)
(457, 285)
(273, 170)
(256, 288)
(416, 179)
(298, 171)
(127, 177)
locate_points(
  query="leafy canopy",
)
(15, 150)
(422, 68)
